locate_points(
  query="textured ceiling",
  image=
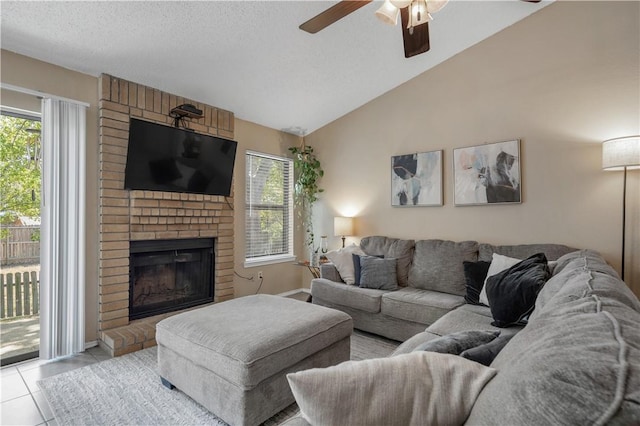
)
(248, 57)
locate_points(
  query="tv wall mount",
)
(185, 110)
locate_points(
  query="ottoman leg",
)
(167, 383)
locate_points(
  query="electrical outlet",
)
(260, 274)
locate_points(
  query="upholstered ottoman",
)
(232, 357)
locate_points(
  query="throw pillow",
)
(378, 273)
(455, 343)
(437, 265)
(475, 274)
(411, 389)
(485, 354)
(512, 293)
(391, 247)
(498, 264)
(343, 260)
(357, 268)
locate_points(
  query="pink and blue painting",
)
(487, 174)
(416, 179)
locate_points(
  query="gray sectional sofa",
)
(576, 361)
(431, 283)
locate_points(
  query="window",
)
(269, 209)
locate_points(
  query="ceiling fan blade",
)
(416, 43)
(333, 14)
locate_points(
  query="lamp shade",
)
(620, 153)
(342, 226)
(388, 13)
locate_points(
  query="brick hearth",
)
(150, 215)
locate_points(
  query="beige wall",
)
(561, 81)
(280, 277)
(31, 74)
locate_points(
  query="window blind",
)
(269, 207)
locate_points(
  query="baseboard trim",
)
(297, 290)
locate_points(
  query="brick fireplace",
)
(127, 216)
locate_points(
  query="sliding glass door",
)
(20, 191)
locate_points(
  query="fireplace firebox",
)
(169, 275)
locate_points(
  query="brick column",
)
(149, 215)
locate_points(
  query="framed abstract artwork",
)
(416, 179)
(487, 174)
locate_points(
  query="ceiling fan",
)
(414, 15)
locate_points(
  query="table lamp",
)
(342, 227)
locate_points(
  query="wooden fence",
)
(21, 245)
(19, 294)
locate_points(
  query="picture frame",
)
(416, 179)
(487, 174)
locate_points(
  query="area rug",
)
(127, 391)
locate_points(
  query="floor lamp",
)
(622, 154)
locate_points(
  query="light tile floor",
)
(22, 402)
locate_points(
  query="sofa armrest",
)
(328, 270)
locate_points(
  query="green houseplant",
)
(308, 172)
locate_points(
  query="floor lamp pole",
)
(624, 216)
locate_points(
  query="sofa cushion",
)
(578, 366)
(365, 299)
(422, 306)
(467, 317)
(586, 273)
(343, 260)
(438, 265)
(378, 273)
(410, 389)
(522, 251)
(402, 250)
(456, 343)
(512, 293)
(475, 274)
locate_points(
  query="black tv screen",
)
(163, 158)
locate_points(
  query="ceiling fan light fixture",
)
(419, 14)
(434, 6)
(388, 13)
(400, 4)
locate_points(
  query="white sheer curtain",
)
(62, 277)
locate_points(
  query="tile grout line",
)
(32, 397)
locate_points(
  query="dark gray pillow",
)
(456, 343)
(512, 293)
(485, 354)
(378, 273)
(475, 274)
(357, 269)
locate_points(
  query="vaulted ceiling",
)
(247, 56)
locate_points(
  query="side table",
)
(315, 270)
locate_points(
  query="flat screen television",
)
(163, 158)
